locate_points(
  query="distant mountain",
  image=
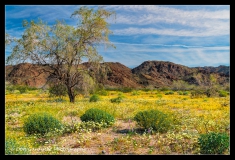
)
(154, 73)
(163, 73)
(160, 73)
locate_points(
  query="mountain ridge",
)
(149, 73)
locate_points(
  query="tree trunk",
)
(71, 95)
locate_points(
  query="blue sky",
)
(190, 35)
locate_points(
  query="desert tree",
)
(63, 48)
(8, 39)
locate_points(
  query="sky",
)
(190, 35)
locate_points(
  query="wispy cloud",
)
(172, 32)
(133, 55)
(191, 35)
(198, 22)
(155, 44)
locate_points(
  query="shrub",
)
(211, 92)
(13, 148)
(180, 92)
(57, 90)
(169, 93)
(180, 85)
(41, 124)
(94, 98)
(126, 90)
(197, 94)
(145, 89)
(154, 119)
(164, 89)
(213, 143)
(7, 92)
(103, 93)
(135, 93)
(185, 93)
(223, 93)
(116, 100)
(57, 100)
(16, 92)
(9, 88)
(99, 116)
(20, 88)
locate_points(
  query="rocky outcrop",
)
(27, 74)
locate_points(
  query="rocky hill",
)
(154, 73)
(119, 75)
(26, 74)
(162, 73)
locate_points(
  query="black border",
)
(144, 3)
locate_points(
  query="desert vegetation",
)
(131, 122)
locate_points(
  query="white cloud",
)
(172, 12)
(171, 32)
(133, 55)
(155, 44)
(195, 23)
(191, 37)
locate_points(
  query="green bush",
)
(135, 93)
(94, 98)
(126, 90)
(57, 90)
(211, 92)
(57, 100)
(7, 92)
(154, 119)
(145, 89)
(103, 93)
(20, 88)
(223, 93)
(197, 94)
(99, 116)
(180, 92)
(169, 93)
(13, 148)
(213, 143)
(41, 124)
(185, 93)
(16, 92)
(164, 89)
(116, 100)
